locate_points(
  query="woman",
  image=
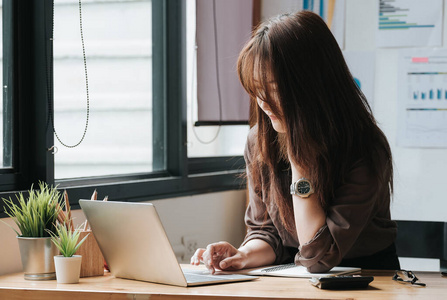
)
(319, 169)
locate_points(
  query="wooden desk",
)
(14, 287)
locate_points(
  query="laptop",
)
(135, 245)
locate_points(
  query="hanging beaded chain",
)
(50, 82)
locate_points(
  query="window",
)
(136, 146)
(118, 46)
(206, 141)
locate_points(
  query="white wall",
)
(420, 189)
(207, 218)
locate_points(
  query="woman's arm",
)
(258, 219)
(259, 253)
(309, 215)
(354, 206)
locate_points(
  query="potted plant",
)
(68, 265)
(35, 217)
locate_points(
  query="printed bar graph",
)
(432, 85)
(409, 23)
(395, 17)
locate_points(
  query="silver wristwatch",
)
(302, 188)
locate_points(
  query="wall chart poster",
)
(406, 23)
(422, 104)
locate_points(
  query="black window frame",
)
(27, 28)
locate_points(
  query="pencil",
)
(61, 213)
(69, 224)
(93, 198)
(59, 219)
(94, 195)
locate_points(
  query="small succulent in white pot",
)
(68, 265)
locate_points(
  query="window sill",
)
(135, 189)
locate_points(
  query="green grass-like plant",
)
(66, 240)
(37, 215)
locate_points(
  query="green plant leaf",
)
(36, 214)
(67, 241)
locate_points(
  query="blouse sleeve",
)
(257, 219)
(349, 213)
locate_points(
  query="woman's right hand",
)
(221, 256)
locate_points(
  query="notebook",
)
(292, 270)
(135, 245)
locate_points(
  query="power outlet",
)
(191, 244)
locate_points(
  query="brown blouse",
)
(358, 221)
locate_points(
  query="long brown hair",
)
(329, 124)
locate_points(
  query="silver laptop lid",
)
(133, 241)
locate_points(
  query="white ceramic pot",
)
(68, 269)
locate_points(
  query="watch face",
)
(303, 187)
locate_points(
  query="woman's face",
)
(273, 91)
(276, 123)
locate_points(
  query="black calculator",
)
(342, 282)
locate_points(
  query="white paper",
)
(422, 109)
(404, 23)
(291, 270)
(361, 64)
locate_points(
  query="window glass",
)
(206, 141)
(118, 47)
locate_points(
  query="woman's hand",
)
(221, 256)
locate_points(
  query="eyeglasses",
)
(407, 277)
